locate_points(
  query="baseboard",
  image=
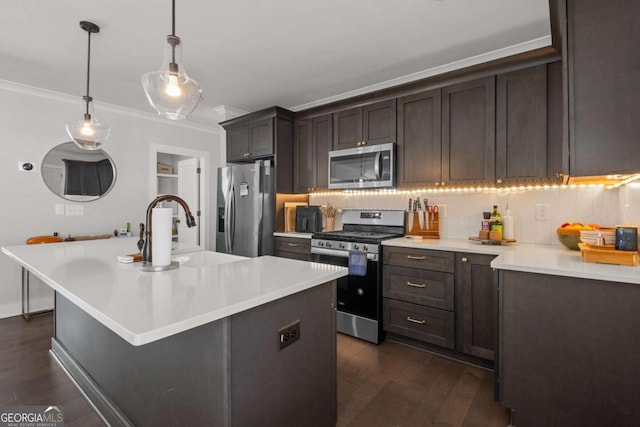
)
(107, 410)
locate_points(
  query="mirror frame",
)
(53, 161)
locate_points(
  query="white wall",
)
(31, 123)
(464, 209)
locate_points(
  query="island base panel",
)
(181, 377)
(228, 373)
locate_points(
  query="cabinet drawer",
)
(292, 244)
(293, 255)
(419, 322)
(430, 288)
(419, 258)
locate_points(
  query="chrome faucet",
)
(146, 246)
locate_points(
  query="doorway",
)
(184, 173)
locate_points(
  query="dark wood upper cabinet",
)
(258, 135)
(521, 126)
(265, 134)
(371, 124)
(477, 299)
(312, 143)
(419, 149)
(604, 86)
(468, 133)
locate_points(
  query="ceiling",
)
(252, 54)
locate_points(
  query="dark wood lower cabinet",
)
(444, 298)
(476, 284)
(569, 350)
(293, 247)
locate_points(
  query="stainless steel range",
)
(360, 293)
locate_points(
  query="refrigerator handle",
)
(227, 222)
(232, 218)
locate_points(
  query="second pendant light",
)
(170, 90)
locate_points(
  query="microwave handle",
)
(376, 166)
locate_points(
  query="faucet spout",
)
(191, 222)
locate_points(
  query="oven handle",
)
(339, 253)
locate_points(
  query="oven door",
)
(359, 295)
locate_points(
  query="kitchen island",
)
(199, 345)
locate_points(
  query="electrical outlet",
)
(542, 212)
(289, 334)
(74, 210)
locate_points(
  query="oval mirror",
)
(76, 174)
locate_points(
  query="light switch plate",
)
(289, 334)
(74, 210)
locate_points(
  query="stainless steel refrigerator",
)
(246, 209)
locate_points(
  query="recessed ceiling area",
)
(252, 54)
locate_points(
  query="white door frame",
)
(205, 179)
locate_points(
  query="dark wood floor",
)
(394, 385)
(385, 385)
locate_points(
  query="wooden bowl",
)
(569, 237)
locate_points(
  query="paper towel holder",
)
(146, 246)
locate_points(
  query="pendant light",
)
(170, 91)
(87, 132)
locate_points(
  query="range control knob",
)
(341, 245)
(365, 248)
(328, 244)
(356, 247)
(320, 243)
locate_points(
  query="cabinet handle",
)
(417, 258)
(295, 245)
(499, 181)
(465, 259)
(416, 285)
(412, 320)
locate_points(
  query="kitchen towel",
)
(357, 263)
(162, 221)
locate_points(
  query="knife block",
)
(427, 231)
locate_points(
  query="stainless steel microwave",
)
(371, 166)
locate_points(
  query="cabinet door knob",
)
(465, 259)
(437, 184)
(364, 142)
(499, 181)
(443, 183)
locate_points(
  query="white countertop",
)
(143, 307)
(294, 235)
(542, 259)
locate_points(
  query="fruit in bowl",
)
(569, 233)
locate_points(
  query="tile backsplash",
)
(462, 211)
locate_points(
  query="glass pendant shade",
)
(87, 132)
(170, 90)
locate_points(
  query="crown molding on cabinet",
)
(62, 97)
(227, 112)
(453, 66)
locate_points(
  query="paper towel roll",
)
(161, 220)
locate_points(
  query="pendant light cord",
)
(88, 98)
(173, 29)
